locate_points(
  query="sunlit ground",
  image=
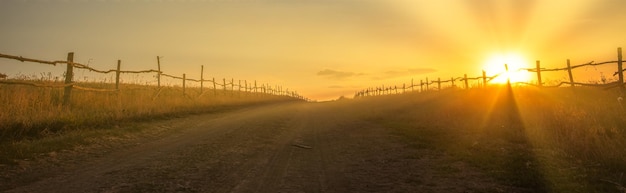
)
(550, 140)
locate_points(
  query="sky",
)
(321, 48)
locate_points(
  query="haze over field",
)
(322, 48)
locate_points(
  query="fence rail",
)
(69, 84)
(374, 91)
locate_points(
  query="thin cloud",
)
(338, 75)
(419, 71)
(403, 73)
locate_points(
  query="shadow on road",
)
(515, 160)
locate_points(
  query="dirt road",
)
(291, 147)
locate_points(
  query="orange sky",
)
(321, 48)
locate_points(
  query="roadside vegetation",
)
(548, 140)
(33, 120)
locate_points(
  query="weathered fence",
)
(374, 91)
(69, 84)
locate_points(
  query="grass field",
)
(551, 140)
(30, 113)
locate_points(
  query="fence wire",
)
(160, 73)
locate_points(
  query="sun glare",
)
(496, 65)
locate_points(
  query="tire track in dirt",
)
(291, 167)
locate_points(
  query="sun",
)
(496, 65)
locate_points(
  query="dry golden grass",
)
(549, 140)
(32, 112)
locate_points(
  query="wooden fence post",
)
(255, 86)
(201, 78)
(539, 83)
(245, 82)
(117, 75)
(224, 86)
(466, 83)
(412, 87)
(620, 68)
(403, 88)
(452, 81)
(69, 73)
(159, 73)
(214, 87)
(569, 72)
(427, 84)
(508, 76)
(232, 86)
(439, 83)
(421, 86)
(184, 78)
(484, 78)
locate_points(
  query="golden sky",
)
(321, 48)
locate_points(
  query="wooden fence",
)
(69, 84)
(383, 90)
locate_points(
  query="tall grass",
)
(544, 140)
(32, 112)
